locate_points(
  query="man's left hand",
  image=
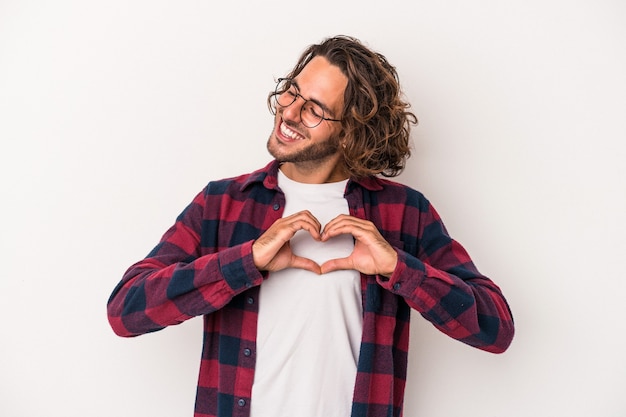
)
(372, 254)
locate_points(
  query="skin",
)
(313, 155)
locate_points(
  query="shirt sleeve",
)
(439, 280)
(176, 282)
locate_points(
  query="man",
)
(305, 270)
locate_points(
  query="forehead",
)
(320, 80)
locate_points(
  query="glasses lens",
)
(286, 94)
(311, 114)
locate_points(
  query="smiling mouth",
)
(288, 133)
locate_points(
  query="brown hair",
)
(376, 121)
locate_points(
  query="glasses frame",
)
(295, 98)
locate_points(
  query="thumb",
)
(336, 264)
(305, 263)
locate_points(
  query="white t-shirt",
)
(309, 326)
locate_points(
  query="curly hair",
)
(376, 121)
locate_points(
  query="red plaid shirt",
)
(203, 267)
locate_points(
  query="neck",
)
(314, 173)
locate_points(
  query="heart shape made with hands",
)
(346, 242)
(320, 252)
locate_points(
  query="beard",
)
(316, 152)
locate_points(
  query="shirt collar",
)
(268, 175)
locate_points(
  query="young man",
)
(305, 270)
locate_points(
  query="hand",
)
(372, 254)
(272, 252)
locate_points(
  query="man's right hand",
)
(272, 252)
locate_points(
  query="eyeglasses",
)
(311, 112)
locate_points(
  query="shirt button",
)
(241, 402)
(247, 352)
(396, 286)
(276, 206)
(250, 300)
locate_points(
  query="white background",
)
(114, 114)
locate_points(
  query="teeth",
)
(289, 133)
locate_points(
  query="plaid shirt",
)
(203, 266)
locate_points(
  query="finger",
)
(313, 229)
(284, 229)
(342, 218)
(305, 215)
(305, 263)
(356, 230)
(270, 243)
(304, 220)
(343, 224)
(336, 265)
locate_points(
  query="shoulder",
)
(239, 184)
(387, 191)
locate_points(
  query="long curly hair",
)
(376, 121)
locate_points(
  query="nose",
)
(293, 112)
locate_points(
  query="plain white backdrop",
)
(114, 114)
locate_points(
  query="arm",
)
(436, 277)
(176, 282)
(443, 284)
(451, 294)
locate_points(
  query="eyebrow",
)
(327, 111)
